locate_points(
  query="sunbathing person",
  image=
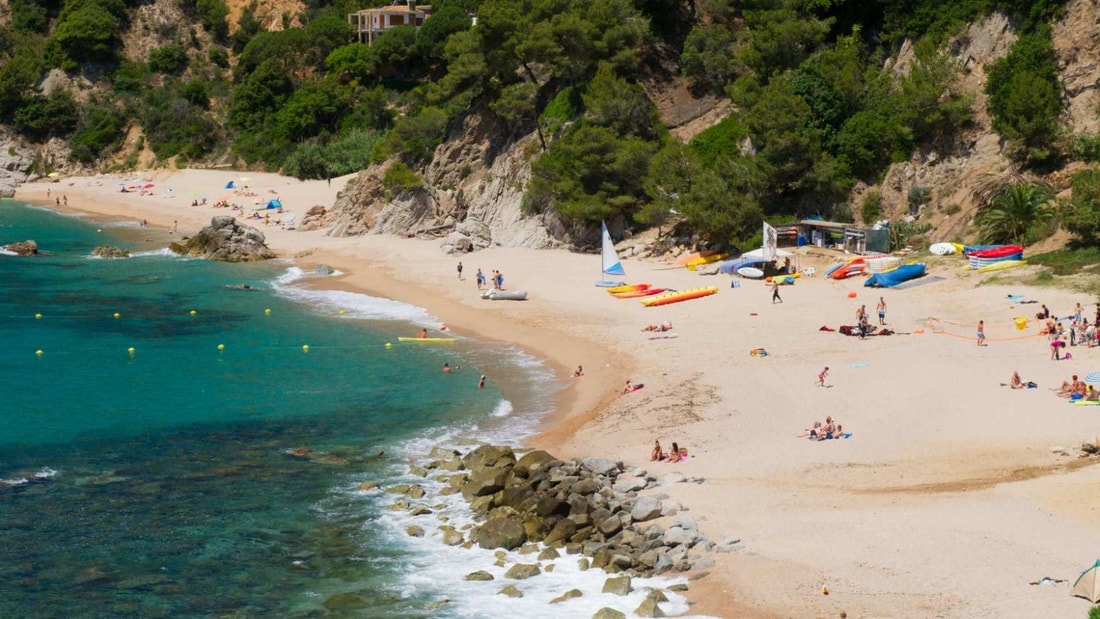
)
(1016, 382)
(657, 454)
(664, 326)
(827, 431)
(674, 453)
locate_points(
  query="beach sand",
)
(953, 493)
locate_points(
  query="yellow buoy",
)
(267, 312)
(221, 346)
(341, 312)
(131, 351)
(305, 348)
(194, 313)
(117, 315)
(38, 316)
(38, 352)
(388, 346)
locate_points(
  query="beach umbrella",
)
(1093, 378)
(1088, 585)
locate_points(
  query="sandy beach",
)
(953, 493)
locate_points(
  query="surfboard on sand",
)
(750, 272)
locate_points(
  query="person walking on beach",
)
(775, 292)
(881, 311)
(822, 376)
(480, 279)
(459, 270)
(981, 333)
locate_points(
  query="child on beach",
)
(822, 376)
(578, 372)
(981, 333)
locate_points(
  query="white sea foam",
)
(163, 251)
(502, 409)
(5, 252)
(353, 304)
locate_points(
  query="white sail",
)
(609, 258)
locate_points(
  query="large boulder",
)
(489, 456)
(506, 533)
(484, 483)
(226, 240)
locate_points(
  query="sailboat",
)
(609, 260)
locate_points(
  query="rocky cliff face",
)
(15, 165)
(471, 196)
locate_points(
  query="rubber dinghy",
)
(892, 278)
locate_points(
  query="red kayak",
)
(998, 252)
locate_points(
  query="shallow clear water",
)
(163, 482)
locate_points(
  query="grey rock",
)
(646, 508)
(501, 533)
(608, 613)
(602, 466)
(523, 571)
(630, 484)
(648, 608)
(568, 595)
(480, 575)
(108, 252)
(511, 591)
(619, 585)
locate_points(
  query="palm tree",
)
(1013, 211)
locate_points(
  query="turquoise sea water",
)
(214, 470)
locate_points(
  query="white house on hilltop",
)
(370, 23)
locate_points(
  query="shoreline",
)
(937, 448)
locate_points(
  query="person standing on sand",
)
(981, 333)
(480, 279)
(775, 292)
(881, 311)
(822, 376)
(459, 270)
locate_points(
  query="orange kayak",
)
(682, 295)
(683, 261)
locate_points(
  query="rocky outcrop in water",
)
(23, 248)
(226, 240)
(106, 251)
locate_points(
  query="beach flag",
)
(771, 242)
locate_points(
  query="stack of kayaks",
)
(781, 279)
(991, 256)
(680, 295)
(855, 266)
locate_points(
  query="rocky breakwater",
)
(225, 240)
(612, 516)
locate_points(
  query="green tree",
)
(98, 134)
(43, 117)
(1025, 98)
(19, 70)
(1080, 213)
(611, 101)
(707, 58)
(88, 33)
(431, 39)
(170, 59)
(1014, 211)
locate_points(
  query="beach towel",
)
(826, 328)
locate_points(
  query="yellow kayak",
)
(628, 288)
(427, 340)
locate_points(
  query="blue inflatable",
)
(897, 276)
